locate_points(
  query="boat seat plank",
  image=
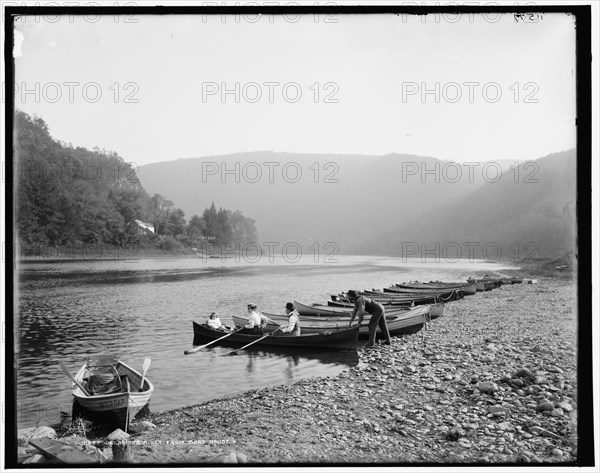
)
(125, 383)
(102, 360)
(61, 451)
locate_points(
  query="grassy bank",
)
(563, 267)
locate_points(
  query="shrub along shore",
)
(494, 380)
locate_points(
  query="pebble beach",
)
(492, 381)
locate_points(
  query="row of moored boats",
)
(408, 307)
(106, 383)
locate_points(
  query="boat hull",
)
(327, 311)
(418, 292)
(511, 280)
(388, 304)
(318, 320)
(337, 340)
(467, 288)
(399, 298)
(411, 322)
(487, 284)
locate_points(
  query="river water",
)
(67, 310)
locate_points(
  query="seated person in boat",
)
(215, 323)
(256, 321)
(364, 305)
(293, 326)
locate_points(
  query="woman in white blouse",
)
(256, 321)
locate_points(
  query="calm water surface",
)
(144, 308)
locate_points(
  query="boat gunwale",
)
(78, 394)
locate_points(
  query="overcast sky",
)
(499, 88)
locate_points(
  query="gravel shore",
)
(492, 381)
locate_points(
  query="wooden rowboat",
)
(468, 288)
(336, 340)
(417, 299)
(114, 373)
(435, 310)
(510, 280)
(444, 295)
(317, 320)
(387, 303)
(318, 310)
(385, 298)
(411, 321)
(487, 283)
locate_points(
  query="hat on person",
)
(290, 306)
(252, 306)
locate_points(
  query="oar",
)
(68, 373)
(128, 389)
(257, 340)
(200, 347)
(145, 368)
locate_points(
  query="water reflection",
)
(124, 276)
(57, 332)
(291, 355)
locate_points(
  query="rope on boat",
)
(449, 298)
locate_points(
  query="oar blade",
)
(68, 373)
(200, 347)
(145, 370)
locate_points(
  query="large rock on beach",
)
(118, 435)
(231, 457)
(487, 387)
(142, 426)
(30, 433)
(544, 406)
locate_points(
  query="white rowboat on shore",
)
(133, 398)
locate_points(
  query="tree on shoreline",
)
(222, 227)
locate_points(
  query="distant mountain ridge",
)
(530, 211)
(374, 204)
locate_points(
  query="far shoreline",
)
(531, 268)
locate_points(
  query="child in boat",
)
(215, 323)
(293, 326)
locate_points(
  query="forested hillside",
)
(68, 196)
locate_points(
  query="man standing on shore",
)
(364, 305)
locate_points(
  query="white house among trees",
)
(145, 226)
